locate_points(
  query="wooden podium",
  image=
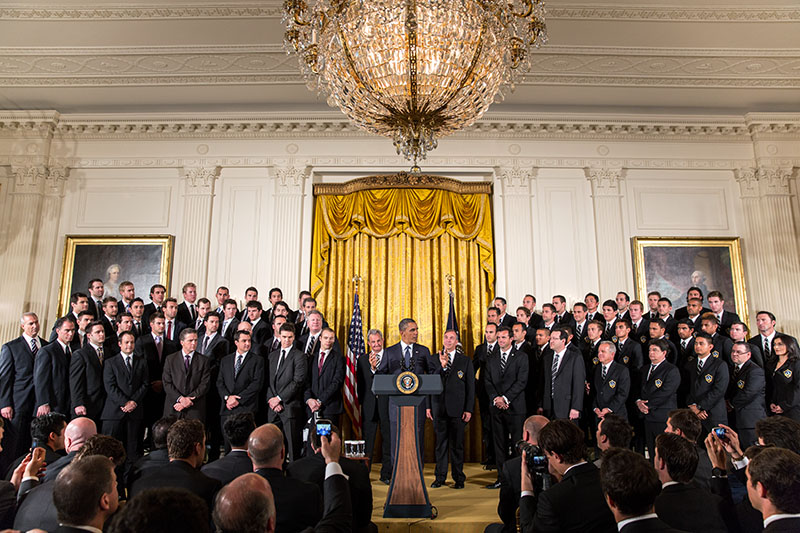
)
(407, 496)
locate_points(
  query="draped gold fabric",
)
(403, 243)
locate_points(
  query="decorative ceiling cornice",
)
(272, 9)
(402, 180)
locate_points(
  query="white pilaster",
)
(195, 237)
(287, 227)
(612, 246)
(515, 274)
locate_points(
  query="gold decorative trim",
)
(402, 180)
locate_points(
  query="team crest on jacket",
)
(740, 383)
(709, 378)
(658, 383)
(626, 359)
(460, 374)
(644, 339)
(612, 383)
(595, 360)
(715, 353)
(666, 336)
(787, 373)
(614, 339)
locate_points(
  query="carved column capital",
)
(516, 179)
(748, 182)
(290, 179)
(55, 181)
(605, 181)
(29, 179)
(201, 180)
(774, 180)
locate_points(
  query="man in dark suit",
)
(576, 502)
(261, 329)
(126, 381)
(658, 331)
(157, 295)
(222, 295)
(722, 344)
(564, 384)
(109, 317)
(611, 383)
(312, 470)
(17, 393)
(186, 380)
(738, 332)
(78, 302)
(694, 293)
(250, 295)
(593, 312)
(503, 318)
(308, 343)
(451, 410)
(187, 310)
(288, 369)
(323, 394)
(610, 318)
(519, 340)
(682, 504)
(563, 317)
(85, 495)
(86, 388)
(630, 487)
(581, 325)
(686, 424)
(237, 428)
(51, 370)
(299, 503)
(374, 409)
(640, 326)
(665, 315)
(765, 322)
(274, 341)
(623, 302)
(480, 359)
(186, 445)
(172, 326)
(127, 293)
(725, 318)
(746, 394)
(229, 322)
(772, 489)
(213, 346)
(240, 380)
(95, 293)
(506, 379)
(549, 317)
(658, 392)
(154, 348)
(708, 385)
(529, 302)
(158, 455)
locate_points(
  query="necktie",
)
(198, 323)
(503, 359)
(699, 366)
(205, 345)
(736, 371)
(553, 370)
(100, 355)
(321, 361)
(280, 359)
(238, 367)
(608, 327)
(604, 372)
(578, 329)
(310, 347)
(652, 367)
(766, 348)
(449, 364)
(192, 312)
(621, 344)
(34, 347)
(275, 344)
(407, 356)
(67, 351)
(159, 347)
(186, 362)
(128, 363)
(225, 325)
(684, 342)
(169, 330)
(137, 327)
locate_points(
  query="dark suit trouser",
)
(371, 431)
(507, 431)
(292, 434)
(747, 437)
(128, 431)
(449, 437)
(652, 429)
(484, 406)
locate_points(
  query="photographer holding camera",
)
(576, 502)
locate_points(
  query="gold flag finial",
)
(357, 279)
(449, 278)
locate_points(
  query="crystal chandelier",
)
(413, 70)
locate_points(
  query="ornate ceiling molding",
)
(272, 9)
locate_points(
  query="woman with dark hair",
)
(784, 373)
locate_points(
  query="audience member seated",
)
(75, 436)
(186, 446)
(576, 502)
(312, 469)
(612, 432)
(773, 478)
(162, 511)
(158, 457)
(246, 505)
(630, 487)
(684, 423)
(29, 468)
(683, 504)
(299, 503)
(85, 495)
(36, 506)
(47, 432)
(236, 462)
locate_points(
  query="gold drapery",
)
(403, 242)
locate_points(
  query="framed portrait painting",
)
(672, 265)
(142, 259)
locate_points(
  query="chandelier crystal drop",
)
(413, 70)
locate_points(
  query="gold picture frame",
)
(143, 259)
(671, 265)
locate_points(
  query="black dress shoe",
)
(495, 485)
(492, 466)
(436, 484)
(459, 485)
(385, 481)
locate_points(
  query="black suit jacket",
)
(86, 386)
(247, 384)
(149, 309)
(225, 469)
(299, 502)
(231, 329)
(660, 391)
(511, 383)
(178, 383)
(641, 334)
(16, 376)
(569, 386)
(393, 359)
(184, 315)
(689, 507)
(123, 386)
(326, 386)
(312, 469)
(261, 331)
(707, 390)
(146, 347)
(288, 382)
(566, 320)
(35, 509)
(785, 386)
(649, 525)
(51, 378)
(458, 393)
(612, 392)
(480, 358)
(746, 395)
(576, 503)
(510, 489)
(178, 326)
(630, 355)
(788, 525)
(366, 398)
(179, 475)
(217, 348)
(152, 461)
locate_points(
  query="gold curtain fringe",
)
(402, 180)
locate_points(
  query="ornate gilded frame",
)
(71, 252)
(735, 270)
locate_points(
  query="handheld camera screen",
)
(324, 429)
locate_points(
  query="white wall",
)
(237, 195)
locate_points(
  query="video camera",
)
(536, 462)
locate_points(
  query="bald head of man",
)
(533, 425)
(245, 504)
(78, 432)
(265, 447)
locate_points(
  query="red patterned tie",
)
(321, 361)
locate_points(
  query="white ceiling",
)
(714, 57)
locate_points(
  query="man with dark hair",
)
(640, 326)
(87, 392)
(162, 511)
(159, 455)
(503, 318)
(240, 380)
(708, 385)
(576, 502)
(609, 311)
(323, 391)
(237, 428)
(299, 503)
(77, 432)
(109, 317)
(78, 302)
(186, 446)
(746, 393)
(549, 317)
(157, 295)
(684, 423)
(564, 379)
(85, 495)
(683, 504)
(222, 295)
(214, 347)
(186, 379)
(658, 392)
(95, 290)
(772, 480)
(172, 326)
(613, 431)
(187, 310)
(139, 326)
(630, 487)
(623, 302)
(592, 302)
(563, 317)
(250, 295)
(285, 388)
(229, 322)
(725, 318)
(665, 315)
(722, 344)
(154, 348)
(738, 332)
(765, 322)
(694, 293)
(51, 370)
(261, 329)
(47, 432)
(493, 315)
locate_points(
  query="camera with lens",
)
(536, 462)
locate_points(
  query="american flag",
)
(355, 349)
